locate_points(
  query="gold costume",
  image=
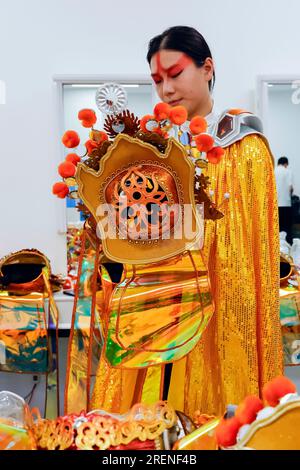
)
(240, 350)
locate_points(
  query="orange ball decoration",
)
(66, 169)
(73, 158)
(214, 156)
(90, 146)
(227, 431)
(178, 115)
(60, 190)
(204, 142)
(162, 111)
(70, 139)
(198, 125)
(87, 117)
(278, 388)
(246, 412)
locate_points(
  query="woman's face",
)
(179, 81)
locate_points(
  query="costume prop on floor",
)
(154, 427)
(26, 282)
(256, 424)
(144, 427)
(258, 427)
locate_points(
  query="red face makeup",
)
(171, 71)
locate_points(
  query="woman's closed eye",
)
(175, 75)
(156, 78)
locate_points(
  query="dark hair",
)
(283, 161)
(184, 39)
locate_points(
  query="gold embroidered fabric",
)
(241, 348)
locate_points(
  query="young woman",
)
(241, 348)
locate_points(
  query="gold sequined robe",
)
(241, 348)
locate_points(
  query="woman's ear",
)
(208, 68)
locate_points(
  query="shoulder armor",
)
(233, 125)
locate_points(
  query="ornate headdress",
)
(145, 172)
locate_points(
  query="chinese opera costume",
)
(194, 321)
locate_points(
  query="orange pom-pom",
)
(61, 190)
(70, 139)
(66, 169)
(178, 115)
(226, 432)
(278, 388)
(144, 121)
(87, 117)
(198, 125)
(73, 158)
(204, 142)
(87, 124)
(162, 111)
(90, 146)
(214, 156)
(246, 412)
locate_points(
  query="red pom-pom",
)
(70, 139)
(145, 120)
(178, 115)
(198, 125)
(90, 146)
(214, 156)
(87, 117)
(204, 142)
(278, 388)
(66, 169)
(73, 158)
(246, 412)
(226, 432)
(61, 190)
(162, 111)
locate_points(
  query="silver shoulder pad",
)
(231, 128)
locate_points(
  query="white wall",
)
(283, 129)
(40, 38)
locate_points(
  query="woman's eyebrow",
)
(182, 62)
(175, 66)
(168, 70)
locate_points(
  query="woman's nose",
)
(168, 87)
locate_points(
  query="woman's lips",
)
(175, 102)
